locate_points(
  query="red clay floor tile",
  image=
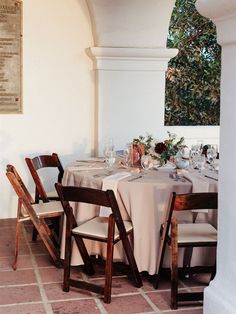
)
(128, 304)
(74, 307)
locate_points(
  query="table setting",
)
(142, 185)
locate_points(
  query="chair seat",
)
(197, 232)
(48, 208)
(52, 194)
(98, 228)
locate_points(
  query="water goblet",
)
(194, 153)
(211, 156)
(127, 157)
(201, 161)
(145, 162)
(110, 159)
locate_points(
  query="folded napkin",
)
(200, 184)
(111, 183)
(85, 167)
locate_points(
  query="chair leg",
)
(109, 260)
(34, 234)
(68, 248)
(187, 260)
(14, 266)
(174, 266)
(44, 232)
(130, 256)
(84, 254)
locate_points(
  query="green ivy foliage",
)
(193, 76)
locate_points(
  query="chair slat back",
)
(90, 196)
(12, 169)
(22, 196)
(182, 202)
(40, 162)
(195, 201)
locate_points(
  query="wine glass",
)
(145, 162)
(127, 157)
(109, 153)
(194, 153)
(211, 156)
(200, 161)
(110, 159)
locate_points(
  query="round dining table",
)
(143, 198)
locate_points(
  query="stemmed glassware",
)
(211, 155)
(194, 154)
(110, 154)
(145, 162)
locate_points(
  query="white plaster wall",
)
(58, 89)
(219, 296)
(130, 95)
(132, 23)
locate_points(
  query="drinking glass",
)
(194, 153)
(201, 161)
(109, 153)
(109, 146)
(145, 162)
(211, 156)
(110, 158)
(127, 157)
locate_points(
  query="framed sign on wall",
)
(10, 56)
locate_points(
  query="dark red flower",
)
(160, 148)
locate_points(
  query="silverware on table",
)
(209, 177)
(135, 178)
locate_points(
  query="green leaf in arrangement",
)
(193, 76)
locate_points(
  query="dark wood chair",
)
(37, 213)
(187, 235)
(39, 162)
(34, 165)
(109, 230)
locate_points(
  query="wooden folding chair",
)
(37, 213)
(34, 165)
(109, 230)
(39, 162)
(178, 235)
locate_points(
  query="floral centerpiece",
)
(160, 151)
(167, 150)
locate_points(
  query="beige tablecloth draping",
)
(145, 201)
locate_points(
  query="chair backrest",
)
(90, 196)
(189, 201)
(12, 177)
(39, 162)
(182, 202)
(11, 169)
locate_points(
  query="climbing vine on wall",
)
(193, 76)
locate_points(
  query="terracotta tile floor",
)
(36, 286)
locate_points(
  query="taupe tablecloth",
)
(145, 201)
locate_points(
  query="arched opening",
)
(193, 77)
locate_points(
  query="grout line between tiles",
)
(100, 306)
(20, 304)
(153, 306)
(20, 285)
(45, 300)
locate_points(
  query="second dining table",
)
(143, 198)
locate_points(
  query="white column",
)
(130, 60)
(220, 296)
(130, 92)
